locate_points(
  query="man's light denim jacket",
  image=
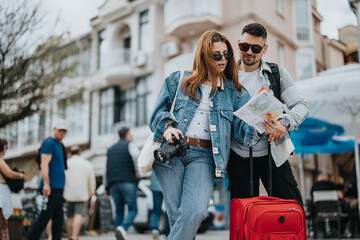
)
(298, 107)
(223, 124)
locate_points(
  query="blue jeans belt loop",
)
(198, 142)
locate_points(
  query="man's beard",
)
(249, 63)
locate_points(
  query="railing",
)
(178, 9)
(116, 57)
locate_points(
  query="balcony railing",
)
(180, 9)
(122, 57)
(115, 57)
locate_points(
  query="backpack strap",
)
(274, 78)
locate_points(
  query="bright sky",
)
(336, 14)
(75, 15)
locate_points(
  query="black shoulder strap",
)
(274, 78)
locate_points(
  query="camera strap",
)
(177, 90)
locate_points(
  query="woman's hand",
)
(169, 132)
(276, 130)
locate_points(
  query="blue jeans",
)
(157, 211)
(54, 211)
(124, 193)
(187, 188)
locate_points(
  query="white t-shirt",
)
(252, 83)
(200, 125)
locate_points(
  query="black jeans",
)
(54, 211)
(283, 181)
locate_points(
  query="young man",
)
(254, 75)
(53, 164)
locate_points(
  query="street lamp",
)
(355, 7)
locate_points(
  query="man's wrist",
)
(285, 122)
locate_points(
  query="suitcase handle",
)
(268, 198)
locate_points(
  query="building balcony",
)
(121, 65)
(185, 18)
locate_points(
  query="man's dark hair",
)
(123, 131)
(3, 143)
(255, 29)
(75, 150)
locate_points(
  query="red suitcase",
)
(266, 218)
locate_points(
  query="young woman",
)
(6, 209)
(203, 114)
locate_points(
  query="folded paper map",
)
(263, 106)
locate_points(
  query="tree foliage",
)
(29, 65)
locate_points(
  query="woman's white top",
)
(5, 201)
(200, 125)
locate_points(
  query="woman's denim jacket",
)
(223, 124)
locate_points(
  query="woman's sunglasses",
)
(254, 48)
(218, 57)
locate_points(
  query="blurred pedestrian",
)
(6, 209)
(203, 114)
(53, 165)
(79, 187)
(121, 180)
(157, 203)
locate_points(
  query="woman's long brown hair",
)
(205, 66)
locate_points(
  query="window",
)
(133, 103)
(146, 43)
(141, 100)
(101, 50)
(279, 6)
(305, 64)
(41, 132)
(71, 109)
(303, 23)
(84, 66)
(11, 135)
(280, 54)
(107, 103)
(30, 131)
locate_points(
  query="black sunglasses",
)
(254, 47)
(218, 56)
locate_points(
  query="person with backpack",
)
(255, 73)
(6, 209)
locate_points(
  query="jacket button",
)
(211, 104)
(185, 120)
(213, 128)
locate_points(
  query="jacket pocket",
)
(179, 104)
(227, 114)
(227, 119)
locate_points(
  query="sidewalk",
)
(208, 235)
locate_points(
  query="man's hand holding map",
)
(263, 106)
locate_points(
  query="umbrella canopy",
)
(317, 136)
(334, 96)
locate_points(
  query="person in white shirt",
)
(79, 187)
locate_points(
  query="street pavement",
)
(208, 235)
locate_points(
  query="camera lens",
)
(158, 155)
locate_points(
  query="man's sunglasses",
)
(218, 57)
(254, 48)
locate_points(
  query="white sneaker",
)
(155, 234)
(121, 233)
